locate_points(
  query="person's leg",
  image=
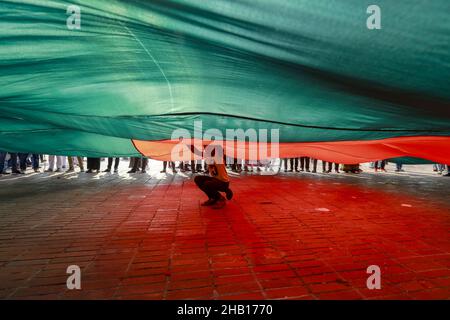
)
(14, 166)
(144, 165)
(448, 171)
(116, 164)
(59, 163)
(307, 159)
(314, 165)
(174, 170)
(70, 161)
(211, 188)
(302, 163)
(51, 162)
(23, 161)
(2, 162)
(109, 165)
(80, 163)
(35, 161)
(336, 167)
(200, 181)
(89, 165)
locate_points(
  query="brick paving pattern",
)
(290, 236)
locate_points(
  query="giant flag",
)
(118, 77)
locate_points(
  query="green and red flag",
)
(132, 72)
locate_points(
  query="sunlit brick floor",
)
(296, 236)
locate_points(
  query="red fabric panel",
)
(434, 148)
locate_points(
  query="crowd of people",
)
(17, 163)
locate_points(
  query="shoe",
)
(81, 170)
(446, 175)
(314, 171)
(107, 170)
(220, 203)
(131, 171)
(36, 170)
(208, 202)
(143, 171)
(116, 170)
(337, 171)
(229, 194)
(58, 170)
(70, 170)
(17, 172)
(162, 171)
(307, 170)
(49, 170)
(89, 171)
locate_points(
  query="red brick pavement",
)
(280, 238)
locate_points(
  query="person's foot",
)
(307, 170)
(337, 171)
(17, 172)
(220, 203)
(116, 170)
(36, 170)
(81, 170)
(288, 171)
(58, 170)
(89, 171)
(131, 171)
(162, 171)
(107, 170)
(49, 170)
(314, 171)
(4, 172)
(229, 194)
(209, 202)
(143, 171)
(446, 175)
(175, 171)
(70, 170)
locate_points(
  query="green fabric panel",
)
(140, 69)
(410, 160)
